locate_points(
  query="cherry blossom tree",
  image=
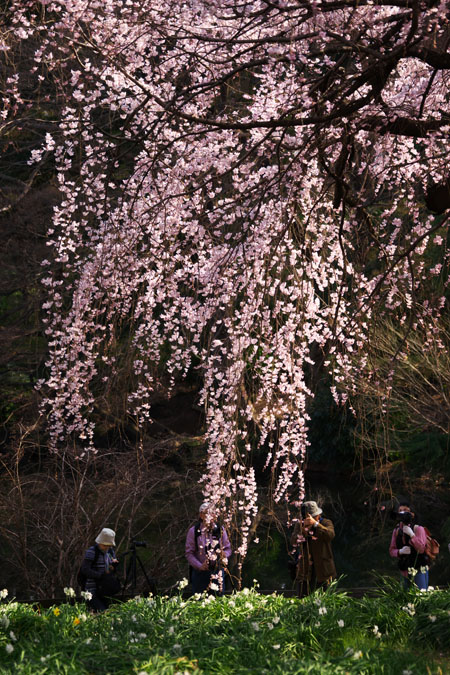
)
(244, 186)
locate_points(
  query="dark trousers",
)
(98, 604)
(200, 580)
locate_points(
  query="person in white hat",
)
(207, 551)
(99, 561)
(311, 540)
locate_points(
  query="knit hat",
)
(106, 536)
(312, 508)
(203, 507)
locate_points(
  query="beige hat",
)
(312, 508)
(106, 536)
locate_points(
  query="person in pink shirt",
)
(408, 546)
(207, 551)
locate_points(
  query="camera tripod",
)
(131, 569)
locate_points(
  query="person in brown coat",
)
(311, 540)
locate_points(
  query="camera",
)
(304, 511)
(404, 517)
(135, 544)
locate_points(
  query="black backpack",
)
(82, 578)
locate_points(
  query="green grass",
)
(396, 632)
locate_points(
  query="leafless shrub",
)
(49, 517)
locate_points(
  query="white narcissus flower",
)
(409, 609)
(4, 621)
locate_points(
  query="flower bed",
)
(397, 632)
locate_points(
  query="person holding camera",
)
(408, 543)
(98, 569)
(207, 551)
(311, 540)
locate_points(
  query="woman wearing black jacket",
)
(99, 560)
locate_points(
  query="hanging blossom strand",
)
(243, 188)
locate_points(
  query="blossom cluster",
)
(239, 195)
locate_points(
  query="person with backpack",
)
(207, 551)
(408, 544)
(97, 571)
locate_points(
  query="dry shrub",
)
(49, 517)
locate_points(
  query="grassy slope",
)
(394, 633)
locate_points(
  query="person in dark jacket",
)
(99, 560)
(311, 541)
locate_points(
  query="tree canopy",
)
(246, 188)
